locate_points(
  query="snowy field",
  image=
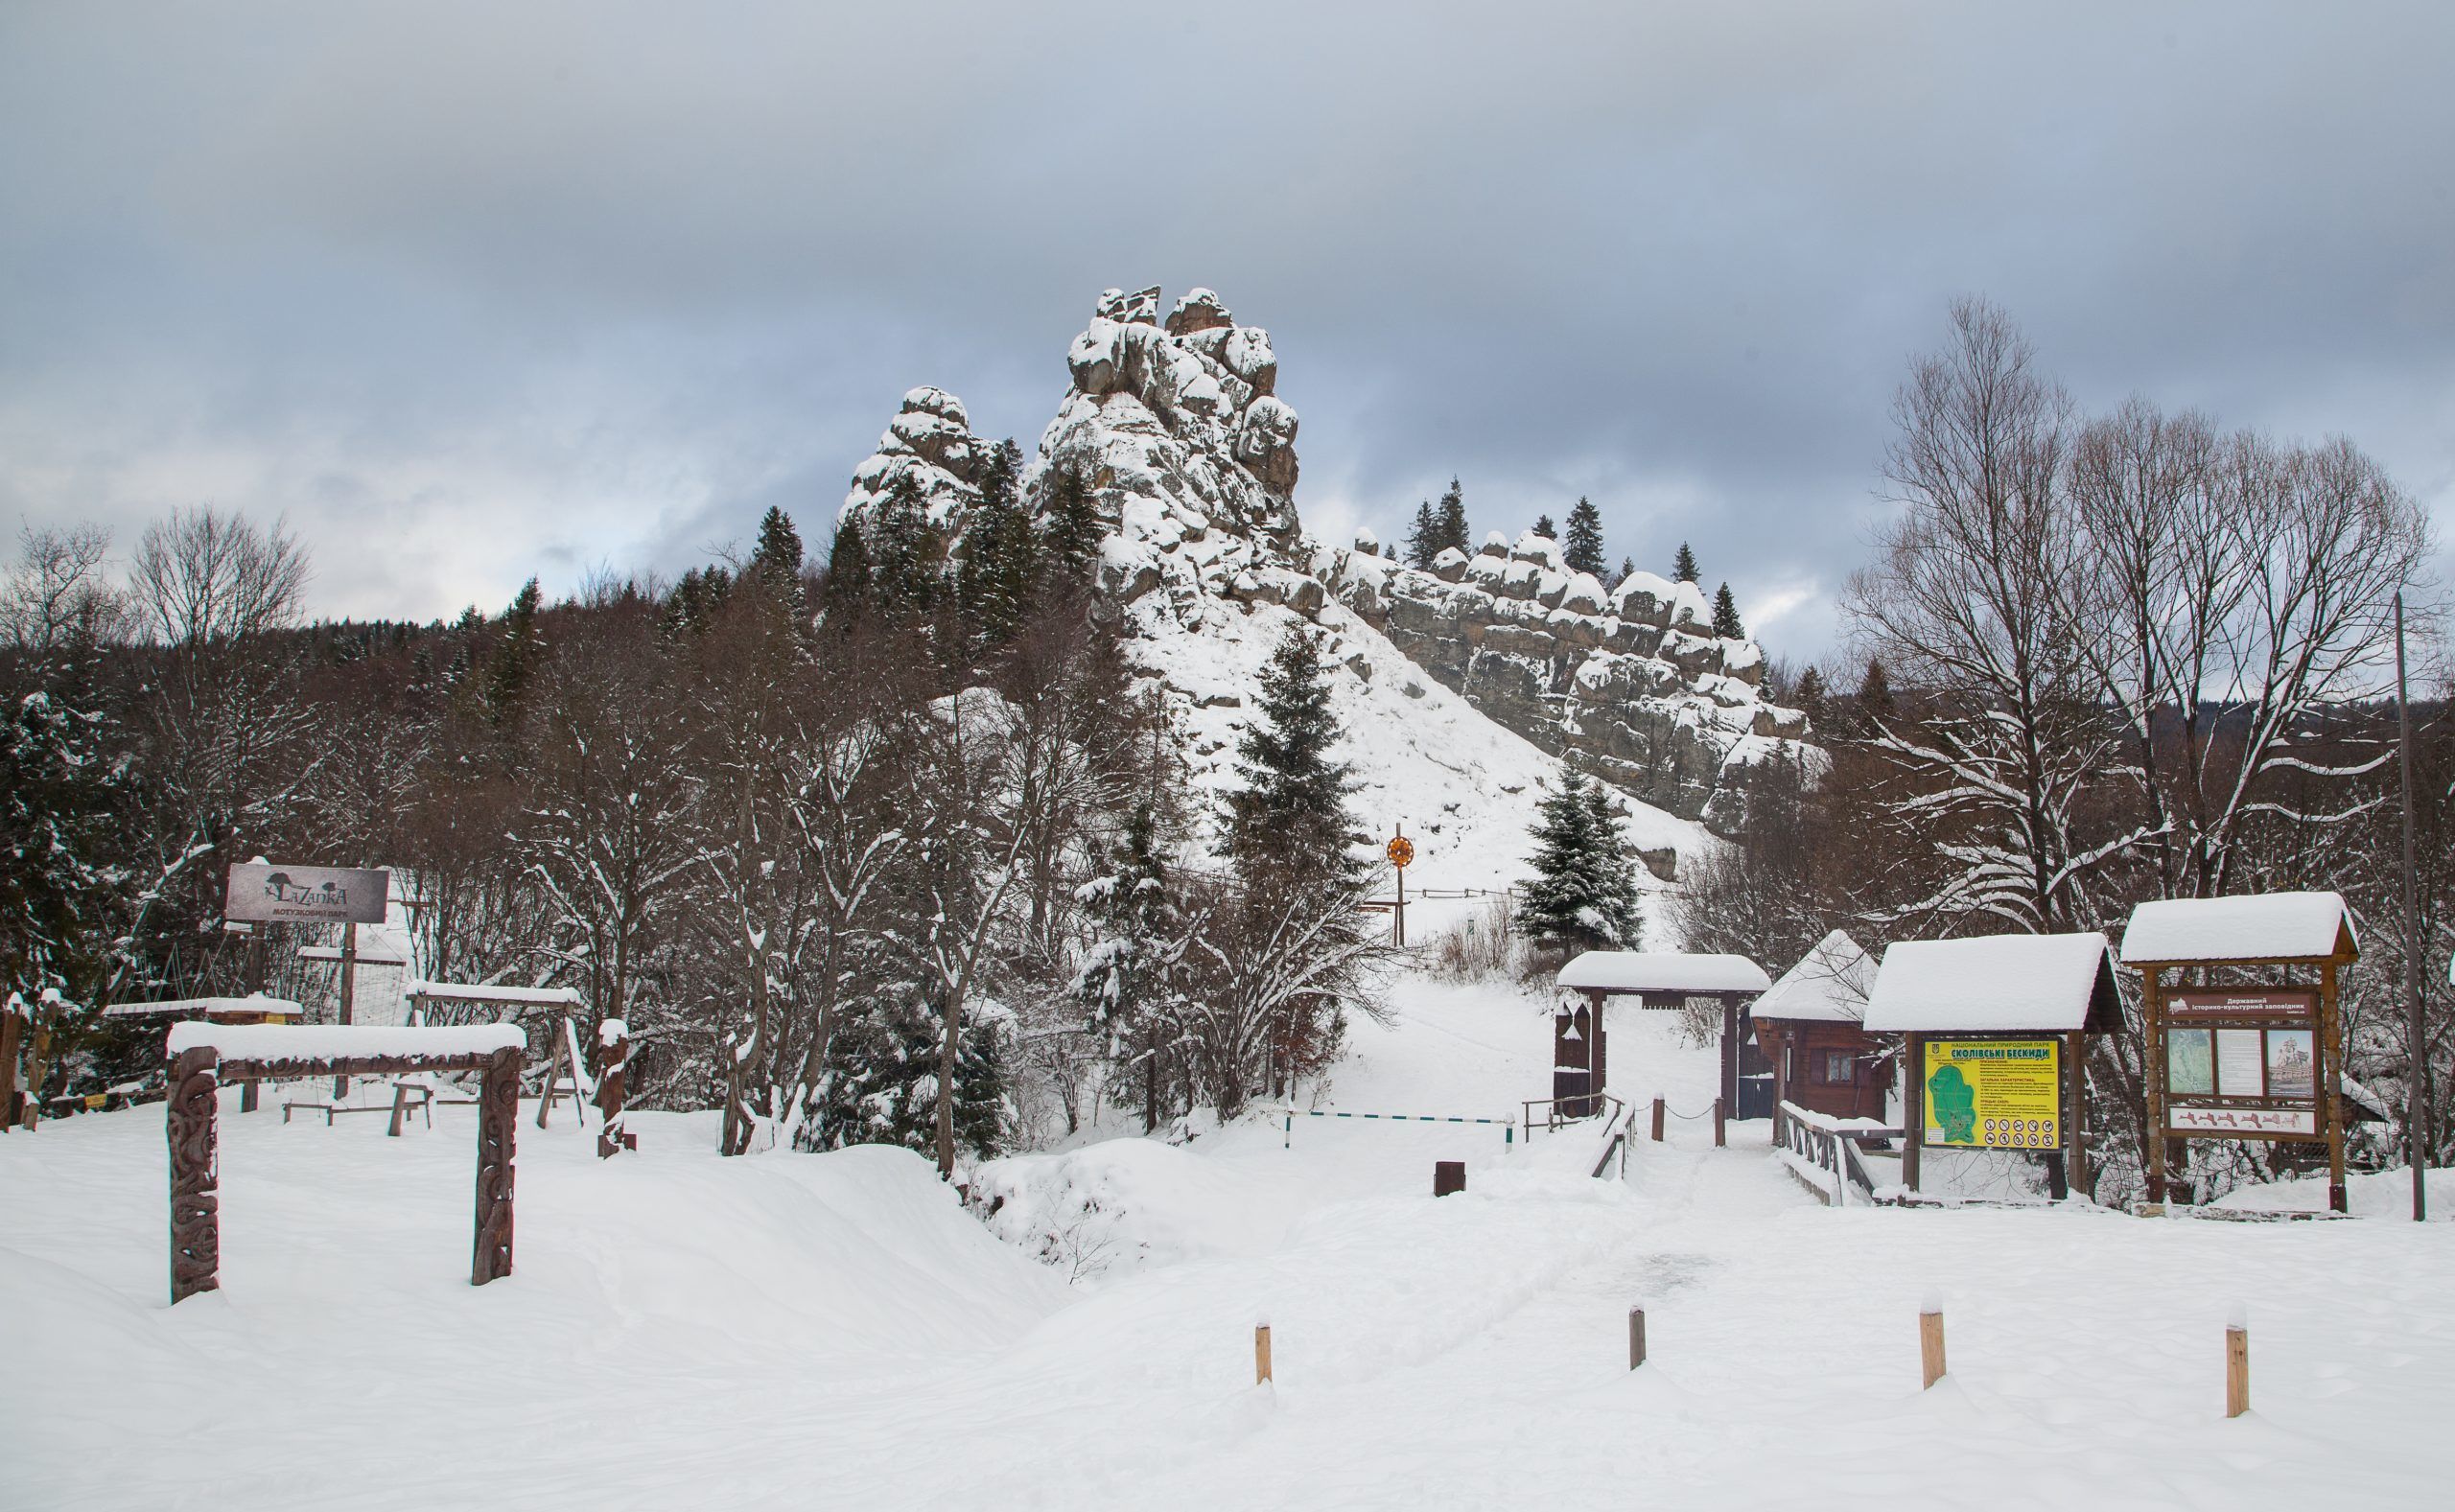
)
(795, 1331)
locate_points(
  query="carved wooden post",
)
(195, 1220)
(613, 1055)
(8, 1033)
(497, 1117)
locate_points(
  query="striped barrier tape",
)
(1507, 1125)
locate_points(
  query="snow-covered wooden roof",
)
(1995, 985)
(203, 1006)
(1661, 971)
(497, 993)
(321, 1042)
(2262, 926)
(1830, 984)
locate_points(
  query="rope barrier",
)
(1508, 1125)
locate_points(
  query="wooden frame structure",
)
(2280, 932)
(1658, 980)
(1994, 990)
(201, 1055)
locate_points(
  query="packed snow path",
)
(794, 1330)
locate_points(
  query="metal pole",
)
(2416, 1105)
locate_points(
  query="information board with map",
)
(1994, 1094)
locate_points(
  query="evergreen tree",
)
(59, 793)
(1126, 983)
(1001, 578)
(778, 557)
(1875, 696)
(1726, 616)
(849, 584)
(1543, 528)
(1808, 695)
(1451, 517)
(1627, 569)
(516, 655)
(1683, 566)
(1423, 541)
(1291, 817)
(908, 553)
(1070, 525)
(1583, 550)
(1582, 894)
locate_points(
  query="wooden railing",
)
(1831, 1146)
(1559, 1110)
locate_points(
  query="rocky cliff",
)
(1174, 422)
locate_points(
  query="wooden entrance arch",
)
(202, 1054)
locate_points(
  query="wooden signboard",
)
(1992, 1094)
(289, 895)
(2241, 1064)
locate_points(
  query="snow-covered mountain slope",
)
(1176, 426)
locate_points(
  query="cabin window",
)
(1839, 1066)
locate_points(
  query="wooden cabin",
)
(1809, 1026)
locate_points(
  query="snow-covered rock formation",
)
(1459, 687)
(1631, 680)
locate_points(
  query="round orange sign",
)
(1401, 851)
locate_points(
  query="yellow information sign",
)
(1994, 1094)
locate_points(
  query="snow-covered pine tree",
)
(60, 795)
(1683, 566)
(1423, 541)
(1000, 579)
(776, 559)
(1544, 527)
(1582, 894)
(1071, 524)
(1127, 981)
(1726, 616)
(1627, 569)
(1582, 551)
(1291, 817)
(1451, 516)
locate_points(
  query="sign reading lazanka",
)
(290, 895)
(1994, 1094)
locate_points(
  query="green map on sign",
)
(1954, 1103)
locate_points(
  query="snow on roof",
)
(1829, 984)
(495, 993)
(1663, 971)
(1996, 984)
(378, 945)
(323, 1041)
(204, 1007)
(2264, 926)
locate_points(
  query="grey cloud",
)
(475, 292)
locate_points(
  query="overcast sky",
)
(469, 292)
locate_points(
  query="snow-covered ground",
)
(835, 1330)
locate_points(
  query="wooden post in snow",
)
(1930, 1342)
(2237, 1366)
(1261, 1354)
(1636, 1337)
(1657, 1119)
(1721, 1114)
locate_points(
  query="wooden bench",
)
(409, 1094)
